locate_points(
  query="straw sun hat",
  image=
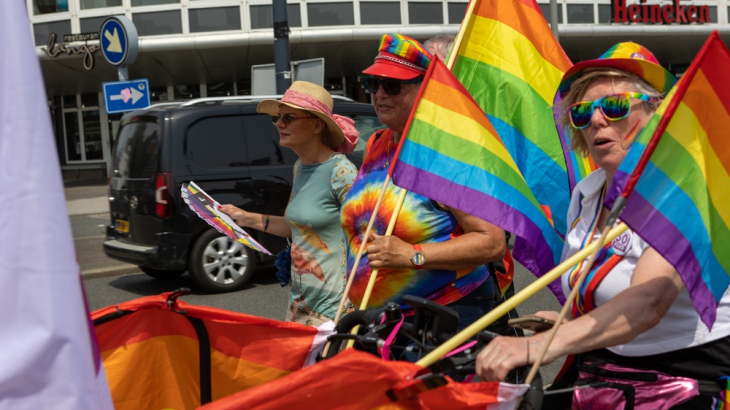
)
(340, 133)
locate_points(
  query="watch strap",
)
(418, 258)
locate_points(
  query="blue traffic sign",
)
(122, 96)
(119, 42)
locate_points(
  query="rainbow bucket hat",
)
(629, 57)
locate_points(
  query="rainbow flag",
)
(512, 65)
(161, 355)
(450, 152)
(676, 179)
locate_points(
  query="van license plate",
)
(122, 226)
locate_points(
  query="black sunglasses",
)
(287, 119)
(391, 86)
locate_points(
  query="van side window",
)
(217, 143)
(366, 124)
(263, 142)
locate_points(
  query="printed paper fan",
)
(207, 208)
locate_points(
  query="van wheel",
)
(220, 264)
(162, 274)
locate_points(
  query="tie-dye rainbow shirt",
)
(419, 222)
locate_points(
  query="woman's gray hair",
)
(578, 89)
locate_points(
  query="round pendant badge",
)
(622, 245)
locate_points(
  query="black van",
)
(232, 153)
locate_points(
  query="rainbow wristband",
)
(266, 225)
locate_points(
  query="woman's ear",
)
(319, 126)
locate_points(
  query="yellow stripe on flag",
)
(686, 129)
(487, 35)
(463, 127)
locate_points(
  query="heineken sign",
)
(660, 13)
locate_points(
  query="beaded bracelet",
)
(266, 225)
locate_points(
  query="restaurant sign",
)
(53, 49)
(674, 12)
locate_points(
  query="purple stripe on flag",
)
(473, 202)
(524, 252)
(663, 235)
(617, 186)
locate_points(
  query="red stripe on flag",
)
(527, 19)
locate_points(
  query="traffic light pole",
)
(282, 59)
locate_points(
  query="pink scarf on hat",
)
(347, 125)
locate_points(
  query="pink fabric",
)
(665, 393)
(461, 349)
(385, 351)
(347, 125)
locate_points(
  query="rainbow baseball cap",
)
(628, 56)
(400, 57)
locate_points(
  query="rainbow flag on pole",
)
(512, 65)
(451, 153)
(676, 179)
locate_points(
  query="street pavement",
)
(109, 282)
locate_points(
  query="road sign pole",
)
(123, 73)
(281, 47)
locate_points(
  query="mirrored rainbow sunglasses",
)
(613, 107)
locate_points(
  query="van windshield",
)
(135, 155)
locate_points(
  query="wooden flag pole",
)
(451, 59)
(595, 248)
(374, 273)
(360, 252)
(515, 300)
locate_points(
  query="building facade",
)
(206, 48)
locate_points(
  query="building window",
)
(604, 13)
(157, 23)
(713, 14)
(187, 92)
(216, 19)
(379, 12)
(92, 24)
(330, 14)
(41, 31)
(263, 17)
(457, 12)
(136, 3)
(158, 94)
(580, 14)
(73, 137)
(92, 134)
(49, 6)
(220, 90)
(82, 128)
(95, 4)
(545, 8)
(425, 13)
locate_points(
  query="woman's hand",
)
(503, 354)
(389, 252)
(551, 315)
(239, 216)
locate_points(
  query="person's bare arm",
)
(654, 287)
(481, 242)
(277, 224)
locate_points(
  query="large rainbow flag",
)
(162, 353)
(451, 153)
(676, 179)
(512, 64)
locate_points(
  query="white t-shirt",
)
(681, 327)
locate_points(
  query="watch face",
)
(418, 258)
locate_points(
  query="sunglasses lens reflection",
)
(613, 107)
